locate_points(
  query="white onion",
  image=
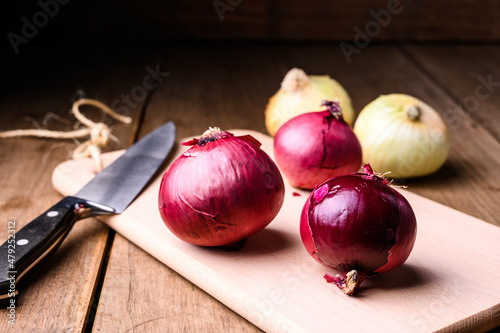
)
(300, 93)
(402, 135)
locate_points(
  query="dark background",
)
(149, 21)
(75, 34)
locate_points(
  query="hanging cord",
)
(99, 132)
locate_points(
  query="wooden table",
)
(99, 281)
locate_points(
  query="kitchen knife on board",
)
(109, 192)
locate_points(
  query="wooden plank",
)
(273, 282)
(200, 75)
(58, 298)
(141, 294)
(220, 86)
(469, 179)
(214, 85)
(459, 20)
(470, 74)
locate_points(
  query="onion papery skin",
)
(314, 147)
(220, 191)
(303, 97)
(394, 142)
(358, 223)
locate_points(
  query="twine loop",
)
(99, 133)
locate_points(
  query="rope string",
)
(99, 133)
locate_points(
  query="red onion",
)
(221, 190)
(315, 146)
(359, 226)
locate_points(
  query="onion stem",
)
(413, 112)
(211, 130)
(333, 107)
(294, 81)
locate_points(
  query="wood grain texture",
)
(216, 84)
(474, 156)
(191, 97)
(470, 74)
(292, 20)
(275, 284)
(48, 302)
(228, 86)
(225, 84)
(59, 296)
(141, 294)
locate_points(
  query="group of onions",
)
(225, 188)
(398, 133)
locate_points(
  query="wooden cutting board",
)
(451, 280)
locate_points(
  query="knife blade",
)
(109, 192)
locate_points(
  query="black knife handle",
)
(34, 243)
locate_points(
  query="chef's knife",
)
(109, 192)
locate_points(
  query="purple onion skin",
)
(358, 222)
(221, 192)
(316, 146)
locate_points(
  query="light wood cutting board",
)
(451, 280)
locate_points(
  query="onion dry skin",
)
(359, 226)
(316, 146)
(220, 191)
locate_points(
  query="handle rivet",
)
(52, 213)
(22, 242)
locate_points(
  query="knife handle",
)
(34, 243)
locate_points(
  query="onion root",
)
(348, 284)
